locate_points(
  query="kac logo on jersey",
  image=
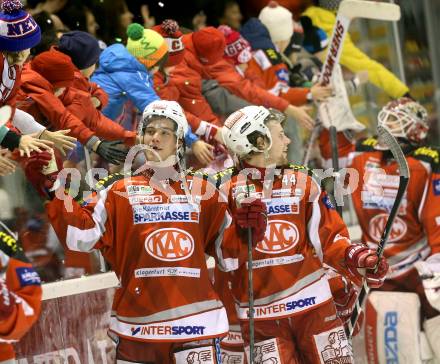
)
(170, 244)
(280, 236)
(377, 226)
(436, 187)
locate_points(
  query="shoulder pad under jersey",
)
(429, 155)
(306, 170)
(299, 168)
(366, 144)
(198, 173)
(225, 175)
(203, 175)
(101, 185)
(109, 180)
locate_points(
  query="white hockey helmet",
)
(405, 118)
(242, 123)
(169, 109)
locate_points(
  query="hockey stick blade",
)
(391, 142)
(369, 10)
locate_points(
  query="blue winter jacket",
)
(124, 78)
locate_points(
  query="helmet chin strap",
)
(170, 161)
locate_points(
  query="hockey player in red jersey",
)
(295, 317)
(414, 240)
(20, 294)
(154, 235)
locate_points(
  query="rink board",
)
(72, 327)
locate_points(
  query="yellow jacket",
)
(354, 59)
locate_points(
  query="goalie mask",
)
(405, 119)
(242, 124)
(172, 111)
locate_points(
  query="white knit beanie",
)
(278, 20)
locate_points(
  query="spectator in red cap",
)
(170, 31)
(56, 68)
(46, 94)
(164, 83)
(209, 45)
(238, 50)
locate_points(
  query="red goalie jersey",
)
(414, 235)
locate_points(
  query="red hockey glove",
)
(361, 262)
(252, 214)
(33, 168)
(7, 301)
(345, 296)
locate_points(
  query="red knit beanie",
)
(54, 66)
(210, 45)
(170, 31)
(238, 50)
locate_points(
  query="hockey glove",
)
(34, 170)
(110, 151)
(362, 261)
(252, 214)
(345, 296)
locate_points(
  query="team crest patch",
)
(436, 187)
(327, 202)
(28, 276)
(333, 347)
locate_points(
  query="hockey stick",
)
(313, 136)
(398, 155)
(347, 11)
(335, 163)
(89, 179)
(250, 283)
